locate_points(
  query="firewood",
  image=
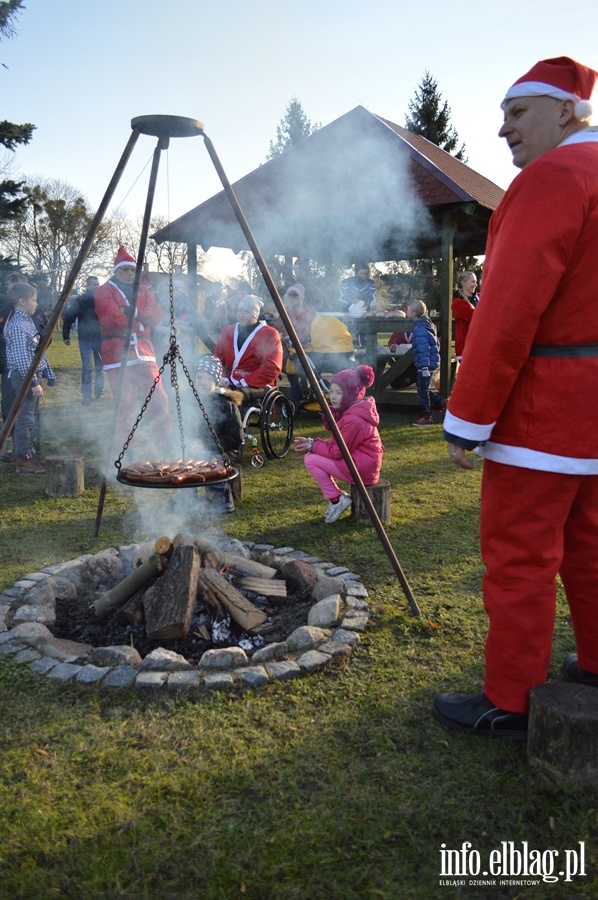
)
(163, 546)
(143, 576)
(269, 587)
(169, 603)
(241, 610)
(131, 611)
(237, 564)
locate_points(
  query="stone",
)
(271, 652)
(91, 674)
(31, 632)
(325, 613)
(44, 614)
(345, 636)
(115, 656)
(226, 658)
(9, 648)
(283, 671)
(356, 622)
(253, 676)
(313, 660)
(355, 589)
(216, 681)
(335, 648)
(336, 570)
(183, 681)
(326, 587)
(307, 637)
(64, 671)
(26, 655)
(165, 660)
(299, 575)
(151, 680)
(120, 677)
(42, 666)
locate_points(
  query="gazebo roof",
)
(361, 188)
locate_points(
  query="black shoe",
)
(574, 673)
(228, 503)
(476, 714)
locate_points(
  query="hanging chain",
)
(170, 357)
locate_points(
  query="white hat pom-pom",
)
(583, 110)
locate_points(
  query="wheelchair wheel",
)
(276, 425)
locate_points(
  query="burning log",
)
(142, 577)
(268, 587)
(169, 603)
(235, 564)
(131, 611)
(240, 609)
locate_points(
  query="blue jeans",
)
(89, 349)
(25, 423)
(426, 397)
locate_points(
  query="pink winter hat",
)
(353, 383)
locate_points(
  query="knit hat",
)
(562, 78)
(353, 383)
(252, 304)
(211, 365)
(299, 289)
(123, 259)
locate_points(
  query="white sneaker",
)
(335, 510)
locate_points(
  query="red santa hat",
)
(353, 384)
(123, 259)
(562, 78)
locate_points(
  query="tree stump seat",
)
(379, 494)
(64, 476)
(563, 732)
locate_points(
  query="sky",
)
(81, 71)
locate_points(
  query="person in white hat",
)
(250, 352)
(112, 302)
(530, 361)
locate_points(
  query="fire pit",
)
(184, 614)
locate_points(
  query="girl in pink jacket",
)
(357, 418)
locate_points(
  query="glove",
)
(425, 372)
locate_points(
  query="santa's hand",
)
(457, 455)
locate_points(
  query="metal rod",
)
(161, 145)
(46, 336)
(414, 608)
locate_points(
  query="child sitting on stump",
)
(357, 419)
(222, 409)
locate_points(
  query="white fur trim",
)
(537, 89)
(535, 459)
(583, 110)
(471, 431)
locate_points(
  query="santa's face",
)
(125, 274)
(532, 126)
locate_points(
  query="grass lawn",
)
(340, 785)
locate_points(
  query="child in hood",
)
(357, 419)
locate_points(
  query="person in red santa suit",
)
(250, 352)
(113, 303)
(517, 400)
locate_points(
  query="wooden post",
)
(64, 476)
(379, 495)
(563, 732)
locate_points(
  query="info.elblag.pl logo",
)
(512, 860)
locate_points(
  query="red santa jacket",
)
(112, 309)
(529, 365)
(258, 363)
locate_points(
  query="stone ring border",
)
(341, 618)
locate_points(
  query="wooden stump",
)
(64, 476)
(379, 494)
(563, 732)
(236, 485)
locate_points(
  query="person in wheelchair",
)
(332, 346)
(250, 352)
(222, 409)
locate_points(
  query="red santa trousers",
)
(535, 525)
(138, 382)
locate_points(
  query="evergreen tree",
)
(293, 127)
(429, 117)
(12, 201)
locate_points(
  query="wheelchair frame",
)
(275, 423)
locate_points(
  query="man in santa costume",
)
(530, 362)
(250, 352)
(113, 305)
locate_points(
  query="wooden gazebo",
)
(361, 188)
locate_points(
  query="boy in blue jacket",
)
(426, 356)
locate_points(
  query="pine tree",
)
(293, 127)
(429, 117)
(12, 201)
